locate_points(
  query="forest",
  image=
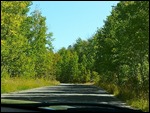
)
(116, 57)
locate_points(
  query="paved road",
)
(66, 93)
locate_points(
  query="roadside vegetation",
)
(17, 84)
(26, 48)
(136, 99)
(115, 58)
(122, 60)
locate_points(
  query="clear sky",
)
(69, 20)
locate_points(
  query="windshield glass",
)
(81, 52)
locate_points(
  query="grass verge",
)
(17, 84)
(138, 101)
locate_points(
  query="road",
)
(66, 93)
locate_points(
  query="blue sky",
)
(69, 20)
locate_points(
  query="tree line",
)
(26, 45)
(117, 53)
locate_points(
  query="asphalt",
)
(66, 93)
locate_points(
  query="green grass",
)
(139, 103)
(17, 84)
(138, 100)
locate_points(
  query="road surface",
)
(66, 93)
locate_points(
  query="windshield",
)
(94, 53)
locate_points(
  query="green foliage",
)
(23, 84)
(138, 100)
(67, 66)
(123, 44)
(116, 56)
(26, 47)
(41, 53)
(122, 50)
(14, 59)
(76, 63)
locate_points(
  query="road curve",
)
(66, 93)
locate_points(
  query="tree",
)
(13, 57)
(122, 52)
(38, 40)
(26, 45)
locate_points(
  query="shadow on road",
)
(66, 93)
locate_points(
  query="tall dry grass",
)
(139, 100)
(17, 84)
